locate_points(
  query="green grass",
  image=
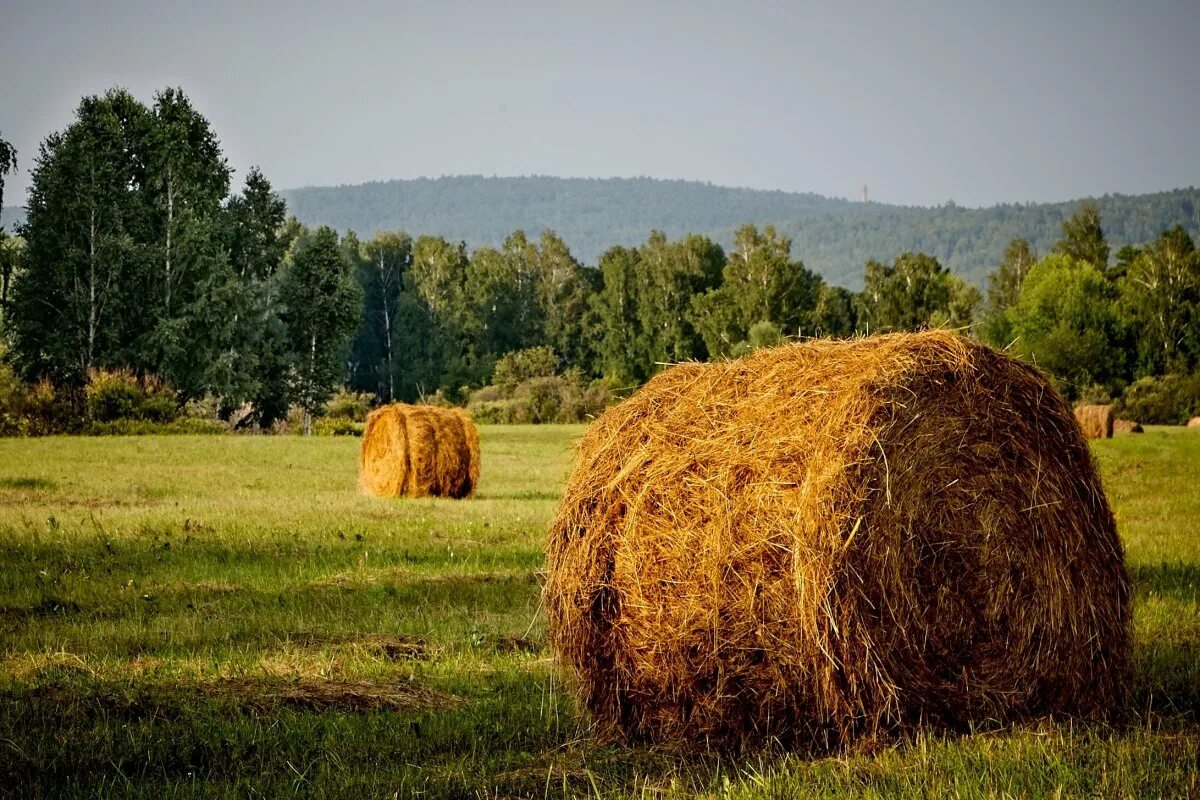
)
(225, 616)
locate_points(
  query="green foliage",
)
(1161, 291)
(522, 365)
(914, 293)
(118, 394)
(1066, 323)
(322, 307)
(350, 406)
(337, 426)
(1083, 237)
(1161, 399)
(1004, 288)
(145, 427)
(525, 393)
(8, 163)
(760, 283)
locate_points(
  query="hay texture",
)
(1096, 422)
(419, 451)
(1127, 426)
(1194, 422)
(832, 541)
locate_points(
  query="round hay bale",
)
(419, 451)
(458, 453)
(1096, 422)
(835, 540)
(471, 438)
(383, 457)
(1194, 422)
(1126, 426)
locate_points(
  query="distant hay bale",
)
(1194, 422)
(1096, 422)
(832, 541)
(1126, 426)
(419, 451)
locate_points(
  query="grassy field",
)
(225, 616)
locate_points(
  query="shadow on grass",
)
(1177, 580)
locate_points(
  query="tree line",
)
(137, 252)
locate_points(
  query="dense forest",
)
(836, 237)
(142, 282)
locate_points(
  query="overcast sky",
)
(979, 102)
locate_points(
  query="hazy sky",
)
(979, 102)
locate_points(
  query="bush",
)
(521, 366)
(490, 412)
(559, 399)
(120, 395)
(1161, 400)
(352, 406)
(337, 426)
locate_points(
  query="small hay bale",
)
(1126, 426)
(419, 451)
(1096, 422)
(1194, 422)
(833, 541)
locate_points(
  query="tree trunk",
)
(170, 225)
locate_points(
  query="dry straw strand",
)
(834, 541)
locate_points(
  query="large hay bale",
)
(1126, 426)
(419, 451)
(1194, 422)
(1096, 422)
(832, 540)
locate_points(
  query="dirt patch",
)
(332, 695)
(385, 645)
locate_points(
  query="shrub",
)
(120, 395)
(352, 406)
(112, 395)
(490, 412)
(1161, 400)
(521, 366)
(337, 426)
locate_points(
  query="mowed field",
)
(226, 616)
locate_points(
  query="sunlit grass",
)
(224, 616)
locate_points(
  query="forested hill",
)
(834, 237)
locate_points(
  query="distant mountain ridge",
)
(835, 237)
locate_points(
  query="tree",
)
(915, 292)
(77, 304)
(834, 315)
(257, 237)
(1064, 321)
(1083, 237)
(564, 289)
(616, 307)
(185, 182)
(381, 263)
(1004, 288)
(11, 250)
(8, 164)
(322, 307)
(760, 283)
(1161, 292)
